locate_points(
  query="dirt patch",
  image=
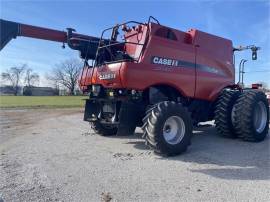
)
(106, 196)
(123, 156)
(14, 121)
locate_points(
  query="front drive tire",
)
(103, 130)
(168, 128)
(252, 116)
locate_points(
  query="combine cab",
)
(160, 79)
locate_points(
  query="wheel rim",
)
(260, 117)
(174, 130)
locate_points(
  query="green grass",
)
(41, 101)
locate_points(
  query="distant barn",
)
(40, 91)
(9, 90)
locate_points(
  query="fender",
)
(170, 85)
(216, 92)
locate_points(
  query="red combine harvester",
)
(161, 79)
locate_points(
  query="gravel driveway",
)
(52, 155)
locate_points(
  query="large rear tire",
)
(224, 113)
(168, 128)
(252, 116)
(102, 129)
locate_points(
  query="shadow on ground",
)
(227, 158)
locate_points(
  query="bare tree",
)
(30, 77)
(66, 74)
(14, 75)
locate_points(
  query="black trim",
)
(8, 31)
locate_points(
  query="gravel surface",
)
(52, 155)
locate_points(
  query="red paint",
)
(49, 34)
(43, 33)
(256, 85)
(193, 46)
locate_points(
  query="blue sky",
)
(244, 22)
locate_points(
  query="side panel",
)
(84, 78)
(214, 65)
(147, 73)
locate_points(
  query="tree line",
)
(65, 74)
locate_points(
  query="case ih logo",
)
(171, 62)
(107, 76)
(181, 63)
(164, 61)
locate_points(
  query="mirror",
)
(254, 54)
(115, 33)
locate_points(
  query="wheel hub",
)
(260, 117)
(167, 128)
(174, 130)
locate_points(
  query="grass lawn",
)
(42, 101)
